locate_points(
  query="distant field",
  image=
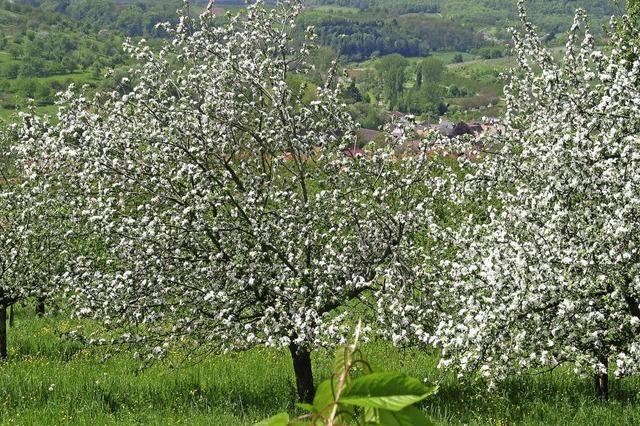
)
(10, 114)
(5, 58)
(498, 64)
(336, 9)
(53, 382)
(447, 57)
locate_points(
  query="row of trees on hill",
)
(130, 18)
(214, 208)
(553, 16)
(47, 53)
(361, 37)
(390, 7)
(41, 43)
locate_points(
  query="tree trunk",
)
(602, 379)
(3, 332)
(40, 307)
(11, 316)
(304, 374)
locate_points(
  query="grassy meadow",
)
(49, 381)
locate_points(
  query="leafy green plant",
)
(355, 394)
(633, 7)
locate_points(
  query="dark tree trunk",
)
(602, 380)
(3, 332)
(11, 316)
(304, 374)
(40, 307)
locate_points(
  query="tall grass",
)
(49, 381)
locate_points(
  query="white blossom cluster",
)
(550, 273)
(31, 248)
(13, 228)
(222, 208)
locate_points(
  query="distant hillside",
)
(42, 51)
(47, 44)
(495, 8)
(359, 36)
(552, 16)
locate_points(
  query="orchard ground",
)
(50, 381)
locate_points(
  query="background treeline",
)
(361, 36)
(393, 7)
(493, 16)
(47, 45)
(135, 18)
(41, 53)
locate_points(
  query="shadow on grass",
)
(550, 398)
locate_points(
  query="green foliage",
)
(369, 399)
(321, 58)
(303, 88)
(369, 116)
(135, 19)
(352, 93)
(633, 9)
(42, 51)
(392, 7)
(281, 419)
(429, 70)
(375, 33)
(130, 21)
(490, 52)
(391, 70)
(386, 391)
(432, 89)
(552, 16)
(629, 29)
(426, 100)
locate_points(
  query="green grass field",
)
(49, 381)
(10, 115)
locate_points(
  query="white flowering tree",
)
(10, 240)
(551, 274)
(229, 212)
(31, 247)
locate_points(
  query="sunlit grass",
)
(49, 381)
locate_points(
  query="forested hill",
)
(487, 11)
(127, 17)
(47, 44)
(490, 17)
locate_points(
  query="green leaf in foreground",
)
(281, 419)
(306, 407)
(410, 416)
(387, 391)
(325, 395)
